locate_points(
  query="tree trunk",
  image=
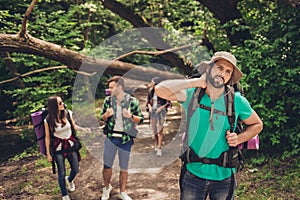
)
(12, 68)
(226, 11)
(77, 61)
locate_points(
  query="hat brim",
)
(237, 75)
(203, 66)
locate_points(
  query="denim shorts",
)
(195, 188)
(111, 147)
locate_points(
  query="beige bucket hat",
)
(237, 74)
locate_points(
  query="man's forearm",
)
(254, 127)
(249, 133)
(174, 89)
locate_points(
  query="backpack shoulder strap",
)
(70, 121)
(231, 118)
(194, 103)
(51, 129)
(128, 99)
(110, 101)
(229, 91)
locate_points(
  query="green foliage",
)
(262, 183)
(29, 152)
(183, 17)
(258, 161)
(38, 89)
(77, 26)
(11, 15)
(269, 61)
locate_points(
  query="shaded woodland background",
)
(41, 42)
(43, 45)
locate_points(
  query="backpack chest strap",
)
(216, 111)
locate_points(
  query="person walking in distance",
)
(61, 143)
(121, 112)
(157, 108)
(209, 136)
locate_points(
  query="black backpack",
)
(231, 158)
(128, 99)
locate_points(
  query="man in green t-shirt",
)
(209, 131)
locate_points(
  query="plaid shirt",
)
(128, 124)
(65, 146)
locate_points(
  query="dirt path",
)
(146, 186)
(150, 177)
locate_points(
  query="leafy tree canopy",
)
(264, 36)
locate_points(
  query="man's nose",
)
(221, 73)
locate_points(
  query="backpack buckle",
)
(206, 161)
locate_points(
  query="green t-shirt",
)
(211, 143)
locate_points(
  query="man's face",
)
(112, 88)
(221, 73)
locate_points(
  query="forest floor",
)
(150, 177)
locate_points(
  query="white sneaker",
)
(155, 147)
(124, 196)
(159, 152)
(106, 192)
(66, 197)
(70, 185)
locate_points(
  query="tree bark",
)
(293, 3)
(11, 68)
(225, 11)
(75, 60)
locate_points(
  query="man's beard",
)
(215, 85)
(217, 81)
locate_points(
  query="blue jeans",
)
(195, 188)
(61, 169)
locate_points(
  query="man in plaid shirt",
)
(121, 112)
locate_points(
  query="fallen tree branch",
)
(11, 68)
(22, 33)
(8, 121)
(155, 53)
(19, 76)
(76, 61)
(85, 74)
